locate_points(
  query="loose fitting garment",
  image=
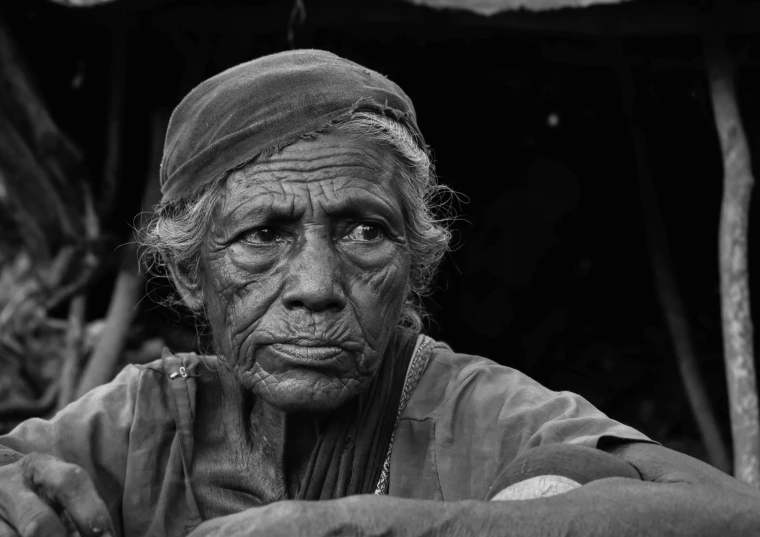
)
(465, 421)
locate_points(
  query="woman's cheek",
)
(239, 297)
(381, 294)
(255, 260)
(372, 257)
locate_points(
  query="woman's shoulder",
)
(459, 389)
(452, 377)
(472, 417)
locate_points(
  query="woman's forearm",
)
(609, 507)
(619, 507)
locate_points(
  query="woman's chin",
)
(306, 396)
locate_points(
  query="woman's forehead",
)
(326, 153)
(335, 170)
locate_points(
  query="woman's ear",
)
(189, 290)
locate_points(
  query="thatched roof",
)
(482, 7)
(492, 7)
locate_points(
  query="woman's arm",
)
(683, 497)
(72, 460)
(659, 464)
(91, 432)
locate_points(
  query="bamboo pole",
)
(130, 284)
(73, 353)
(734, 281)
(666, 284)
(121, 311)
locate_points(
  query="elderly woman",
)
(299, 220)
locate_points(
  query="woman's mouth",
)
(308, 354)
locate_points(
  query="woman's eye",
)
(264, 235)
(364, 233)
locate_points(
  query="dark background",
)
(550, 273)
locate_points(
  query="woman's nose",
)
(314, 277)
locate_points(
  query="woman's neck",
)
(283, 441)
(247, 452)
(280, 442)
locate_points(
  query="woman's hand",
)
(38, 493)
(354, 515)
(284, 518)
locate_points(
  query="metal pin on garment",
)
(182, 371)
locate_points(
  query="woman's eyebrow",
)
(260, 211)
(363, 202)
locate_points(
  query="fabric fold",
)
(265, 104)
(350, 452)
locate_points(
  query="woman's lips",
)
(311, 353)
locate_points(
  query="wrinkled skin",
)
(305, 272)
(35, 490)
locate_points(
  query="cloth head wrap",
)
(270, 102)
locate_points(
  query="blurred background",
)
(581, 140)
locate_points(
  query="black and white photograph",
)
(363, 268)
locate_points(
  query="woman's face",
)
(305, 271)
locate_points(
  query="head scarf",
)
(230, 119)
(268, 103)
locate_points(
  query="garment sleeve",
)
(92, 432)
(493, 414)
(565, 417)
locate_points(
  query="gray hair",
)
(177, 230)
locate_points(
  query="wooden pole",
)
(666, 284)
(734, 281)
(121, 311)
(130, 284)
(73, 353)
